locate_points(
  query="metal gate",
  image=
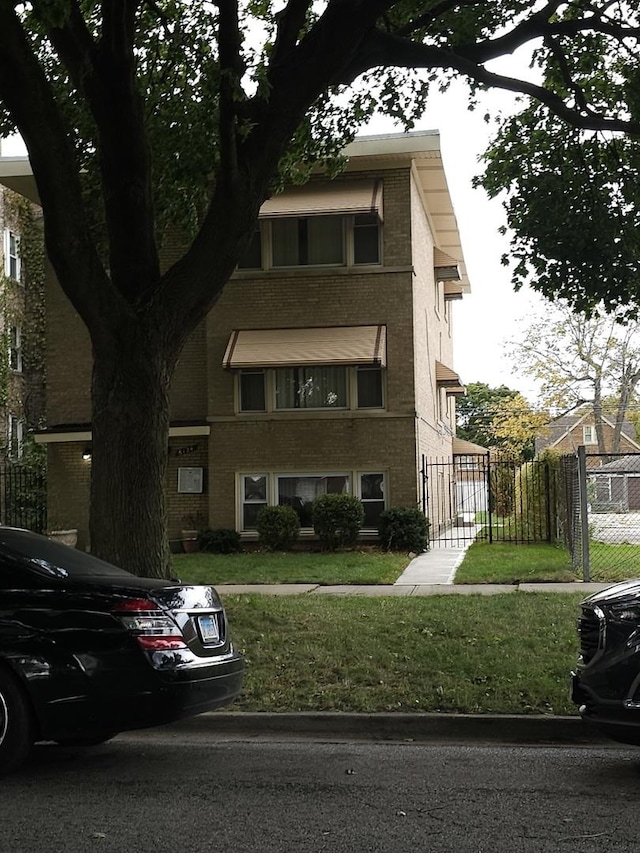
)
(23, 498)
(497, 499)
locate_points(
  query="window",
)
(372, 497)
(323, 240)
(369, 381)
(15, 349)
(300, 491)
(366, 239)
(15, 435)
(12, 262)
(252, 391)
(589, 435)
(254, 497)
(310, 388)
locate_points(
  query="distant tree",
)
(476, 410)
(579, 361)
(516, 425)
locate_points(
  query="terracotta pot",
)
(189, 541)
(67, 537)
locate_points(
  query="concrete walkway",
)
(439, 564)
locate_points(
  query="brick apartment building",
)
(326, 365)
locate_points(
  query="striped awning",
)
(334, 345)
(445, 267)
(340, 197)
(445, 376)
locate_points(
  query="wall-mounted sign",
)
(190, 481)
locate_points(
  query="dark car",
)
(606, 684)
(88, 650)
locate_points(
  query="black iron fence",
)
(483, 497)
(23, 498)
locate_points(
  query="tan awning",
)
(452, 290)
(455, 390)
(297, 347)
(445, 376)
(335, 198)
(445, 267)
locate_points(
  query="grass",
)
(503, 562)
(506, 654)
(367, 566)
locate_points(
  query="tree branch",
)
(27, 94)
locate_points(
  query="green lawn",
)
(503, 562)
(367, 566)
(505, 654)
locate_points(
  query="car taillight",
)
(151, 627)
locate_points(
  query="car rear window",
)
(43, 556)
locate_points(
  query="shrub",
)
(337, 520)
(221, 541)
(278, 527)
(404, 529)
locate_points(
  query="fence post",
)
(584, 512)
(489, 501)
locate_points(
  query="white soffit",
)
(16, 175)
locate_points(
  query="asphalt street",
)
(177, 790)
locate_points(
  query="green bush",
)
(221, 541)
(278, 527)
(337, 520)
(404, 528)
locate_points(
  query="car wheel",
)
(96, 740)
(16, 723)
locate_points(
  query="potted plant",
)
(193, 525)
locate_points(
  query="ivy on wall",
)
(22, 304)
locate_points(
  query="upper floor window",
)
(323, 240)
(12, 261)
(310, 387)
(589, 435)
(15, 349)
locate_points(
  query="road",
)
(182, 792)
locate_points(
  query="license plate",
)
(209, 629)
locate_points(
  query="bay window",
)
(299, 491)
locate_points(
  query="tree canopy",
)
(140, 114)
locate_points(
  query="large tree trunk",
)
(130, 431)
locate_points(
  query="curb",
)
(520, 729)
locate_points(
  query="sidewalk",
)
(430, 573)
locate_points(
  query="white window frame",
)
(15, 434)
(12, 256)
(354, 481)
(15, 345)
(348, 225)
(270, 393)
(589, 435)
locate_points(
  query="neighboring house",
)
(21, 379)
(566, 434)
(326, 365)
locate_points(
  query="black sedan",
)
(88, 650)
(606, 684)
